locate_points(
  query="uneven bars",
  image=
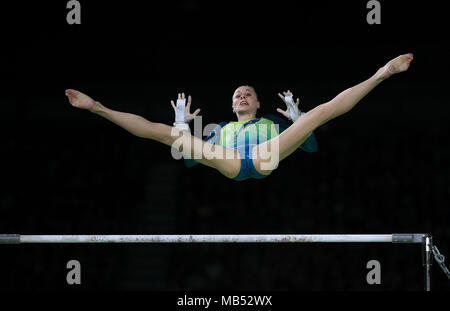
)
(217, 238)
(411, 238)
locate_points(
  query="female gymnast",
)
(247, 147)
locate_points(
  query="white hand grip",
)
(180, 110)
(293, 110)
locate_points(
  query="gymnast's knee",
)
(266, 166)
(230, 171)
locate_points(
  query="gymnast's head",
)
(245, 101)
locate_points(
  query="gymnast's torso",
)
(245, 135)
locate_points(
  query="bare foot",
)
(80, 100)
(398, 64)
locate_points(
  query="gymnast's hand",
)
(80, 100)
(288, 113)
(188, 116)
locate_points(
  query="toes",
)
(71, 92)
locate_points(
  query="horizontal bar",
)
(409, 237)
(216, 238)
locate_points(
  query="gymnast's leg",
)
(206, 153)
(299, 131)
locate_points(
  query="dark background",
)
(381, 168)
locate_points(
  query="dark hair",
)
(256, 94)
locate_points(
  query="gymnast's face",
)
(245, 100)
